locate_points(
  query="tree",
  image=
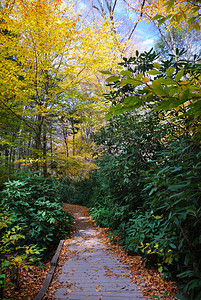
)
(157, 185)
(120, 17)
(169, 17)
(182, 40)
(171, 86)
(45, 56)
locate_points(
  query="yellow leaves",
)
(175, 12)
(145, 79)
(47, 39)
(53, 55)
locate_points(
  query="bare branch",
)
(138, 20)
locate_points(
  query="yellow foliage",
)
(175, 12)
(47, 50)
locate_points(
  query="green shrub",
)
(14, 252)
(78, 192)
(175, 190)
(148, 192)
(35, 201)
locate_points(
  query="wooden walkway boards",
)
(92, 272)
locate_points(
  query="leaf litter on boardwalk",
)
(149, 280)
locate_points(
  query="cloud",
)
(82, 6)
(148, 42)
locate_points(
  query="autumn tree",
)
(124, 22)
(46, 56)
(172, 18)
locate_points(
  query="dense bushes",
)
(78, 192)
(14, 252)
(36, 202)
(148, 183)
(32, 221)
(148, 193)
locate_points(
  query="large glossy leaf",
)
(154, 72)
(179, 75)
(112, 79)
(131, 100)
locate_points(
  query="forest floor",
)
(90, 267)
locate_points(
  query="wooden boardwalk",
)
(93, 272)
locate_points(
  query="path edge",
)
(50, 273)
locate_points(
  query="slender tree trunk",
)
(65, 135)
(73, 130)
(38, 141)
(45, 148)
(10, 162)
(51, 148)
(13, 159)
(6, 157)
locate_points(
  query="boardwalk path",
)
(92, 271)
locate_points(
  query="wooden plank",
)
(50, 273)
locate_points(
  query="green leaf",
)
(173, 246)
(152, 190)
(157, 65)
(155, 297)
(125, 73)
(106, 72)
(176, 187)
(52, 220)
(115, 107)
(108, 116)
(169, 81)
(162, 20)
(192, 211)
(180, 296)
(131, 100)
(157, 17)
(158, 88)
(160, 269)
(197, 26)
(178, 102)
(130, 81)
(179, 75)
(170, 71)
(169, 5)
(154, 72)
(112, 79)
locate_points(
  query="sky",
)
(145, 34)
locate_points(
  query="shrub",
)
(14, 253)
(35, 201)
(148, 193)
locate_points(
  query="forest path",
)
(88, 269)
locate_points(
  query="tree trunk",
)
(73, 130)
(38, 142)
(45, 148)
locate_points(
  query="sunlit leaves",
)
(164, 86)
(50, 58)
(176, 12)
